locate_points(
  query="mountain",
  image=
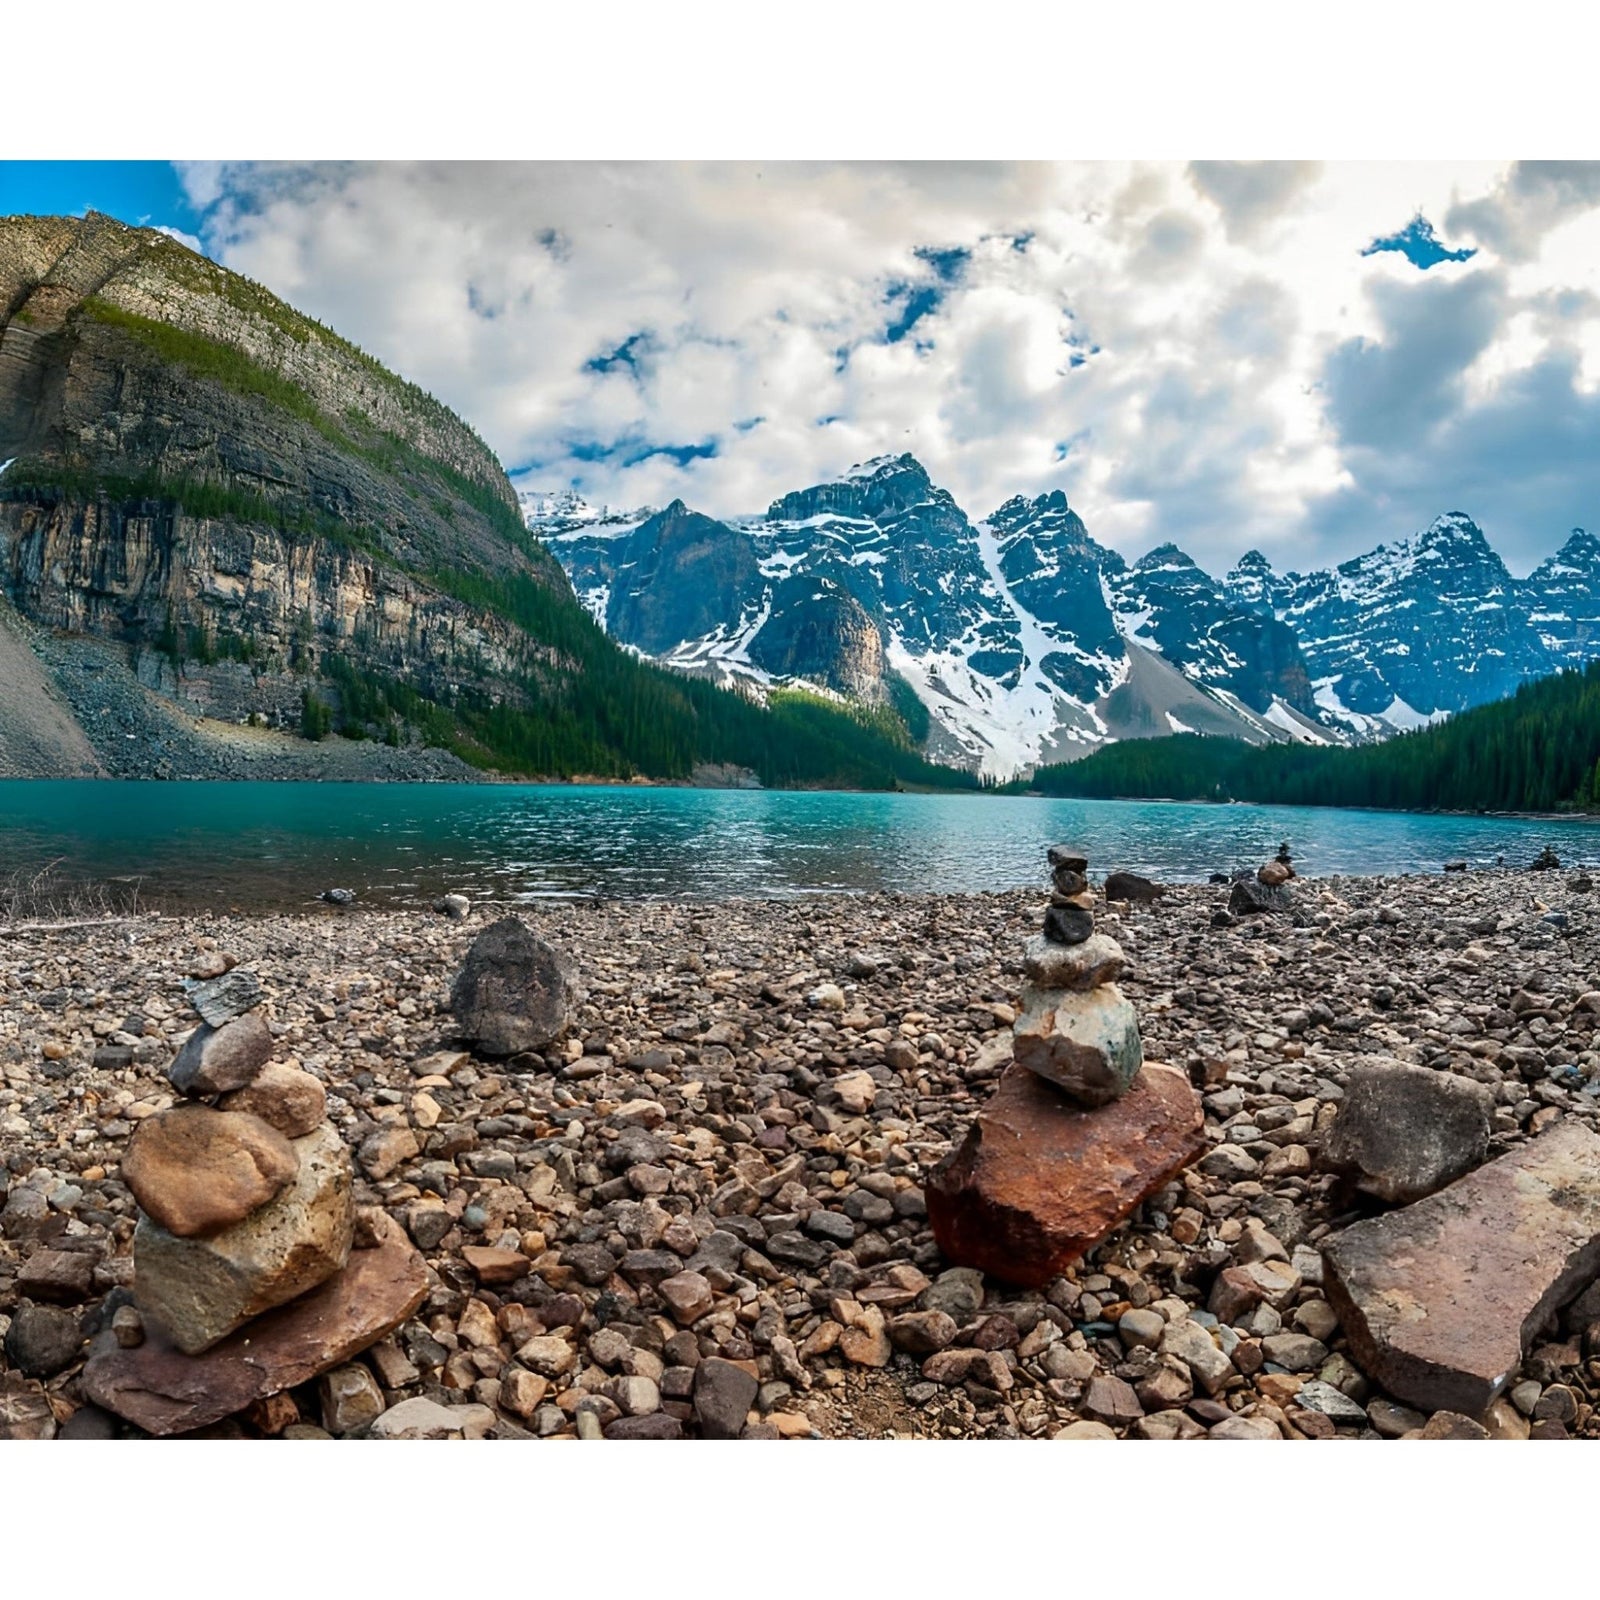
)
(214, 511)
(1026, 642)
(1019, 637)
(1413, 630)
(1536, 750)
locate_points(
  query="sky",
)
(1305, 358)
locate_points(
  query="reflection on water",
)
(255, 845)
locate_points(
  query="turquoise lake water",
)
(261, 845)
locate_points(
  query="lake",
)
(256, 846)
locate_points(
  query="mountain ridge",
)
(1028, 641)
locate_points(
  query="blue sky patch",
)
(1418, 243)
(626, 355)
(144, 194)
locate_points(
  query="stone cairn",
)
(1077, 1028)
(1080, 1127)
(253, 1269)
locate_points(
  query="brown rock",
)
(63, 1277)
(1441, 1300)
(493, 1265)
(1038, 1180)
(290, 1100)
(216, 1060)
(163, 1391)
(201, 1289)
(1275, 873)
(25, 1411)
(197, 1171)
(382, 1152)
(1452, 1425)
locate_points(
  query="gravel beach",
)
(703, 1212)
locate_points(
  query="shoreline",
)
(477, 777)
(786, 1074)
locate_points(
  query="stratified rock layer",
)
(202, 1289)
(1038, 1181)
(1439, 1301)
(160, 1389)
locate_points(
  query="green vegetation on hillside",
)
(1539, 750)
(594, 709)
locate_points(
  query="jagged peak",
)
(882, 467)
(1253, 561)
(1165, 555)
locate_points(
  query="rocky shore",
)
(702, 1210)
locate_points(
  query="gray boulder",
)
(1403, 1132)
(217, 1060)
(1251, 897)
(1130, 886)
(515, 992)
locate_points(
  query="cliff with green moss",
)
(265, 526)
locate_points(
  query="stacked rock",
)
(1077, 1029)
(1079, 1129)
(245, 1190)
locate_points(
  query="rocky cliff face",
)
(231, 492)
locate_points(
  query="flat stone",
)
(201, 1289)
(62, 1277)
(1099, 959)
(1403, 1132)
(494, 1265)
(427, 1419)
(657, 1425)
(1330, 1402)
(284, 1097)
(216, 1060)
(221, 999)
(1085, 1042)
(1441, 1301)
(1039, 1180)
(515, 992)
(196, 1171)
(160, 1389)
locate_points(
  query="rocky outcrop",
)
(231, 494)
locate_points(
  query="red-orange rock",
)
(1040, 1180)
(158, 1388)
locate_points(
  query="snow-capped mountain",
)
(1020, 635)
(1026, 641)
(1411, 631)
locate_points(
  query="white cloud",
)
(1193, 352)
